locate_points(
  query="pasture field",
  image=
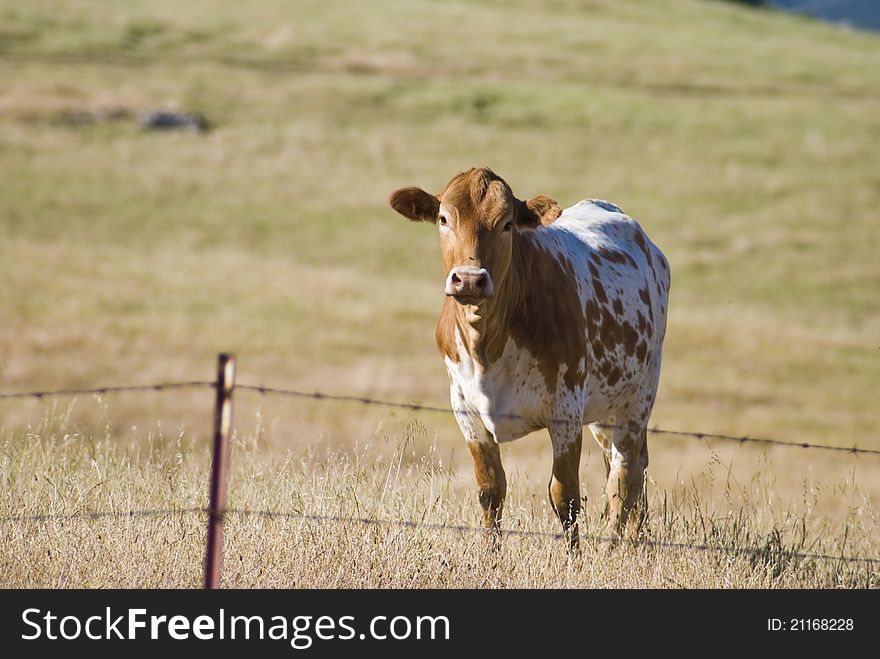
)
(744, 141)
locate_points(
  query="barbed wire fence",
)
(417, 407)
(217, 511)
(414, 407)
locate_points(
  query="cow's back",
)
(623, 284)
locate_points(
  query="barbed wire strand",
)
(318, 395)
(417, 407)
(462, 529)
(106, 390)
(370, 521)
(102, 514)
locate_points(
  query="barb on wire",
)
(318, 395)
(106, 390)
(370, 521)
(101, 514)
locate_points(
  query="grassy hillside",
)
(744, 141)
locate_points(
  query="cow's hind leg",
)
(564, 488)
(602, 432)
(627, 462)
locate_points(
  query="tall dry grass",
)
(55, 470)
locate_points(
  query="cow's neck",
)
(479, 331)
(485, 329)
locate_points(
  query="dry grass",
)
(54, 470)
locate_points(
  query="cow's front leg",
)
(491, 480)
(564, 483)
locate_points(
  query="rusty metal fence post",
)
(219, 468)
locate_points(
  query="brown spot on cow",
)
(600, 291)
(609, 333)
(614, 375)
(640, 241)
(593, 325)
(642, 351)
(614, 256)
(618, 307)
(664, 263)
(630, 338)
(594, 315)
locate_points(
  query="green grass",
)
(744, 141)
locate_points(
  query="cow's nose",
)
(467, 282)
(479, 282)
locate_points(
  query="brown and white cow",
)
(553, 319)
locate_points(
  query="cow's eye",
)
(507, 226)
(442, 220)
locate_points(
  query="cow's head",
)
(478, 218)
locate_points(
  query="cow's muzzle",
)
(469, 285)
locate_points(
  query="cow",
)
(552, 319)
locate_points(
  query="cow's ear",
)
(416, 204)
(537, 211)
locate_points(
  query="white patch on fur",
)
(508, 400)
